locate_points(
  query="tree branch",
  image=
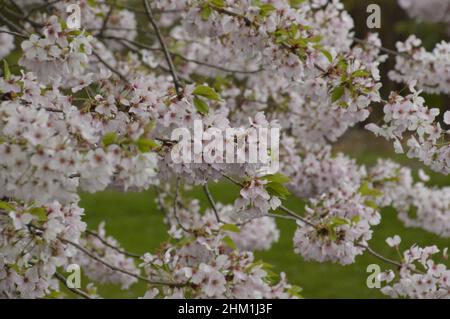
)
(173, 72)
(120, 75)
(76, 291)
(105, 242)
(112, 267)
(211, 202)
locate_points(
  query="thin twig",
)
(11, 24)
(106, 243)
(175, 206)
(42, 7)
(213, 66)
(281, 207)
(381, 48)
(377, 255)
(112, 267)
(108, 15)
(120, 75)
(76, 291)
(17, 34)
(211, 202)
(173, 72)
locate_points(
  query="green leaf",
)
(146, 145)
(327, 54)
(371, 204)
(356, 219)
(332, 234)
(261, 264)
(338, 221)
(277, 189)
(295, 3)
(230, 227)
(315, 39)
(206, 92)
(360, 74)
(265, 9)
(92, 3)
(337, 93)
(206, 13)
(278, 178)
(6, 71)
(109, 138)
(6, 206)
(218, 3)
(230, 243)
(365, 190)
(295, 291)
(39, 212)
(201, 106)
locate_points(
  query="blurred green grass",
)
(135, 221)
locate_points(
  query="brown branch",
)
(169, 61)
(112, 267)
(175, 206)
(76, 291)
(283, 208)
(106, 243)
(211, 202)
(120, 75)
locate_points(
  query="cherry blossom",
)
(96, 108)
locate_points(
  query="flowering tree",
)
(95, 106)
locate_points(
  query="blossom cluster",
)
(339, 227)
(431, 70)
(252, 234)
(51, 148)
(419, 276)
(32, 246)
(58, 55)
(417, 205)
(204, 266)
(408, 118)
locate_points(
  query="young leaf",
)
(230, 227)
(146, 145)
(6, 206)
(337, 93)
(356, 219)
(371, 204)
(327, 54)
(230, 243)
(360, 74)
(218, 3)
(6, 71)
(109, 138)
(277, 189)
(338, 221)
(205, 13)
(265, 9)
(206, 92)
(39, 212)
(365, 190)
(278, 178)
(201, 106)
